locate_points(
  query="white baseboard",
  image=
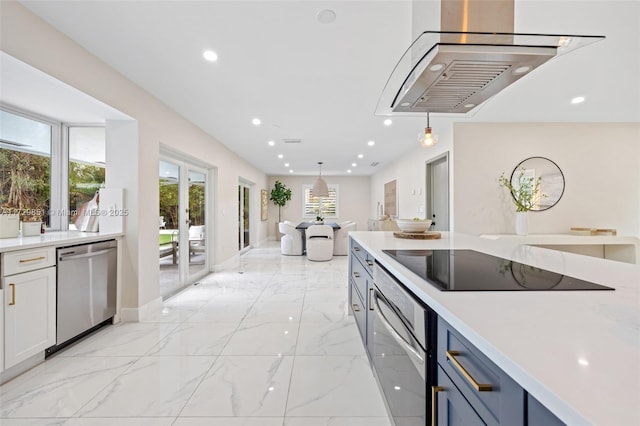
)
(141, 313)
(230, 263)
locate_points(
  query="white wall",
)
(410, 173)
(353, 199)
(31, 40)
(600, 163)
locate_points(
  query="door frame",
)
(242, 183)
(429, 192)
(185, 164)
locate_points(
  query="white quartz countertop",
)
(60, 238)
(577, 352)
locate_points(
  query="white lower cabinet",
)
(29, 314)
(1, 330)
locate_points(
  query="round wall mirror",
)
(551, 180)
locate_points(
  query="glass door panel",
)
(197, 226)
(168, 227)
(243, 219)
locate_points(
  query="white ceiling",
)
(321, 82)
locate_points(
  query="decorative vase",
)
(522, 223)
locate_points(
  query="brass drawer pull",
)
(357, 275)
(480, 387)
(356, 308)
(32, 259)
(434, 396)
(13, 294)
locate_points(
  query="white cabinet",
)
(1, 330)
(29, 304)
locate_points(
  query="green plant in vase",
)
(525, 192)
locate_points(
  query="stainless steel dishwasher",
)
(86, 284)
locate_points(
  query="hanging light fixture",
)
(428, 139)
(320, 188)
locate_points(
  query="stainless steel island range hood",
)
(467, 62)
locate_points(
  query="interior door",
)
(438, 192)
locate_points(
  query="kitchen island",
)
(576, 352)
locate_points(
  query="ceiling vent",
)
(292, 140)
(375, 163)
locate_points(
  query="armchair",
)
(319, 242)
(341, 238)
(291, 242)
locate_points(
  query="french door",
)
(183, 234)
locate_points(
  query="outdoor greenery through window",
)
(320, 206)
(34, 165)
(25, 167)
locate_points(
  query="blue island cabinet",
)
(472, 390)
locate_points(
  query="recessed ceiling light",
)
(405, 104)
(326, 16)
(280, 156)
(290, 171)
(354, 165)
(360, 156)
(256, 121)
(578, 100)
(271, 143)
(469, 105)
(436, 67)
(388, 122)
(286, 164)
(210, 55)
(522, 70)
(349, 171)
(371, 143)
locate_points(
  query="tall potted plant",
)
(280, 194)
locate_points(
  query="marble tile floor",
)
(265, 343)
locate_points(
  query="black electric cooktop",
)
(469, 270)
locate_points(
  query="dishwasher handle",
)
(64, 257)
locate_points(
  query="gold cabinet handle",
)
(480, 387)
(13, 294)
(357, 275)
(434, 391)
(371, 299)
(32, 259)
(356, 308)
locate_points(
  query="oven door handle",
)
(397, 336)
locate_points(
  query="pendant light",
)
(320, 188)
(429, 139)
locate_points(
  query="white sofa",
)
(319, 242)
(291, 241)
(341, 238)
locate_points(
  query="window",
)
(25, 166)
(324, 206)
(38, 179)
